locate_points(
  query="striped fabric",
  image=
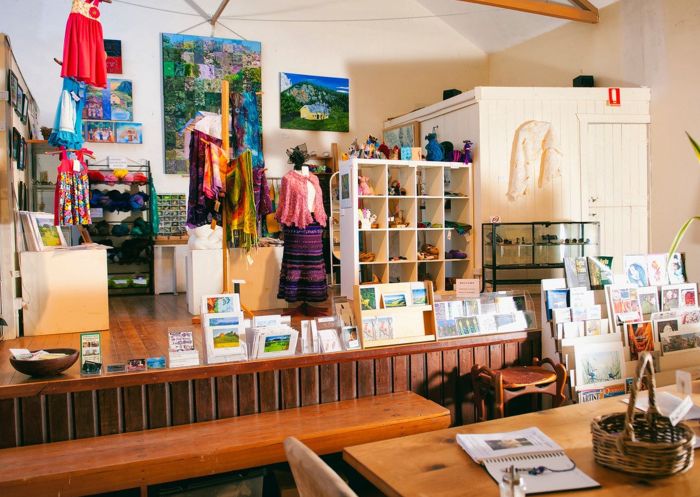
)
(303, 275)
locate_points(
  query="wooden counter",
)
(70, 406)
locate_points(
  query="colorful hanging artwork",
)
(193, 67)
(315, 103)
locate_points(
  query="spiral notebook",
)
(526, 449)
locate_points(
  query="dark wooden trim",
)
(67, 384)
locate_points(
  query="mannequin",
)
(302, 216)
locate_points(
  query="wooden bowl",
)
(46, 367)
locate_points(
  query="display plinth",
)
(261, 278)
(64, 291)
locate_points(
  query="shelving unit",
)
(436, 194)
(135, 275)
(334, 232)
(533, 246)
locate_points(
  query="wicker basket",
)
(644, 444)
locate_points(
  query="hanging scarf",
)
(261, 190)
(247, 131)
(241, 223)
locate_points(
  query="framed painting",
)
(405, 135)
(314, 103)
(193, 68)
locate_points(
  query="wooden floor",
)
(138, 329)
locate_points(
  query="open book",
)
(526, 449)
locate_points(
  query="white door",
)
(614, 183)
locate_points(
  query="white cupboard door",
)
(614, 179)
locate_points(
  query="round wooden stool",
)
(509, 383)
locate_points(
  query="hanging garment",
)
(303, 273)
(84, 56)
(68, 124)
(271, 226)
(241, 221)
(215, 170)
(200, 209)
(293, 209)
(247, 133)
(535, 145)
(72, 197)
(261, 192)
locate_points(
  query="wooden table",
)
(432, 464)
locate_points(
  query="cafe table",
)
(432, 464)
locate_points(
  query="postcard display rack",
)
(130, 264)
(417, 222)
(533, 246)
(599, 331)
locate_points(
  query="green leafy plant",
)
(681, 232)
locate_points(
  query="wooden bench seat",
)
(139, 459)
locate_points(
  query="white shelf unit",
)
(426, 201)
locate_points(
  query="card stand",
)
(406, 176)
(408, 324)
(378, 207)
(431, 210)
(375, 242)
(377, 177)
(402, 208)
(429, 181)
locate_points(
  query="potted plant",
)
(686, 225)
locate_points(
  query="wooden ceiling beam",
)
(585, 12)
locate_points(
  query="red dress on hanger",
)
(84, 56)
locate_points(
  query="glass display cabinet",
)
(533, 246)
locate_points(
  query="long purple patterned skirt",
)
(303, 275)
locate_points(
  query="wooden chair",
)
(509, 383)
(313, 477)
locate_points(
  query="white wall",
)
(393, 67)
(650, 43)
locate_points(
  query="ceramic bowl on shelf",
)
(46, 367)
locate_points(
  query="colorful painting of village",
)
(315, 103)
(193, 67)
(114, 103)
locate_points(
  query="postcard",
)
(556, 299)
(561, 315)
(594, 312)
(580, 297)
(155, 362)
(224, 340)
(656, 269)
(688, 296)
(676, 269)
(467, 325)
(326, 323)
(505, 304)
(221, 319)
(385, 328)
(648, 301)
(579, 313)
(90, 348)
(180, 341)
(593, 327)
(689, 320)
(679, 341)
(670, 297)
(576, 271)
(625, 304)
(573, 329)
(472, 307)
(666, 326)
(226, 302)
(277, 343)
(440, 309)
(344, 311)
(640, 338)
(368, 298)
(393, 300)
(447, 328)
(329, 340)
(267, 321)
(600, 271)
(599, 365)
(116, 368)
(636, 270)
(351, 340)
(135, 365)
(487, 323)
(419, 296)
(369, 329)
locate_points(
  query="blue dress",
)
(68, 125)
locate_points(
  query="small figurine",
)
(367, 219)
(364, 188)
(353, 150)
(433, 149)
(395, 153)
(468, 152)
(384, 151)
